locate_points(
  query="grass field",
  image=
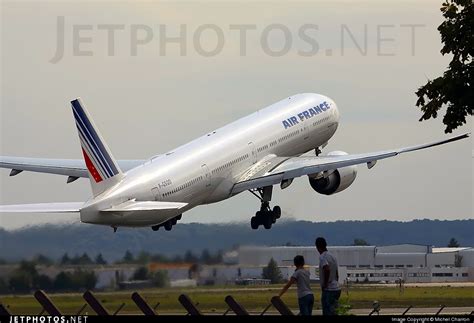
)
(255, 299)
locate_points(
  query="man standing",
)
(328, 276)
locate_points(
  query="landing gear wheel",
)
(168, 225)
(155, 227)
(268, 221)
(254, 223)
(277, 211)
(266, 216)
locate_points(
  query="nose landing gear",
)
(266, 216)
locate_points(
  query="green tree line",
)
(26, 278)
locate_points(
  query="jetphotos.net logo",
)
(47, 319)
(210, 40)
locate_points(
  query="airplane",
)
(252, 154)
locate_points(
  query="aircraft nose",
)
(336, 112)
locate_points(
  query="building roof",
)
(448, 249)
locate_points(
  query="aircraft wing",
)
(74, 207)
(74, 168)
(62, 207)
(275, 170)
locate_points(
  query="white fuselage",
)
(205, 170)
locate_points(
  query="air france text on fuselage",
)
(307, 114)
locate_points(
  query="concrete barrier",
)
(143, 305)
(189, 305)
(47, 303)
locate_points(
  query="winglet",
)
(104, 171)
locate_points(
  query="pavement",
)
(428, 311)
(417, 311)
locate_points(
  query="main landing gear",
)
(168, 225)
(266, 216)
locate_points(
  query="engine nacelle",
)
(337, 181)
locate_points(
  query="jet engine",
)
(333, 181)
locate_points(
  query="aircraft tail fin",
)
(102, 167)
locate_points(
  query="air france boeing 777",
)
(251, 154)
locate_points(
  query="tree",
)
(272, 272)
(62, 281)
(65, 260)
(128, 257)
(205, 257)
(43, 260)
(20, 282)
(82, 279)
(99, 260)
(28, 267)
(360, 242)
(453, 243)
(24, 278)
(43, 282)
(3, 286)
(189, 257)
(162, 258)
(176, 259)
(75, 281)
(455, 87)
(82, 260)
(143, 258)
(160, 278)
(140, 273)
(219, 257)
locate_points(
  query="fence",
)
(191, 307)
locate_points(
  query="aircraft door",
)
(207, 174)
(305, 129)
(253, 152)
(305, 143)
(155, 192)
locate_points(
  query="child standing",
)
(304, 292)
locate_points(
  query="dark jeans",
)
(306, 304)
(329, 301)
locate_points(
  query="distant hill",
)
(55, 240)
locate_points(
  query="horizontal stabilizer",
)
(67, 167)
(133, 205)
(64, 207)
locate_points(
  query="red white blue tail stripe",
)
(97, 157)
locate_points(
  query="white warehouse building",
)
(408, 262)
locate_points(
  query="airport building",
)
(408, 262)
(357, 264)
